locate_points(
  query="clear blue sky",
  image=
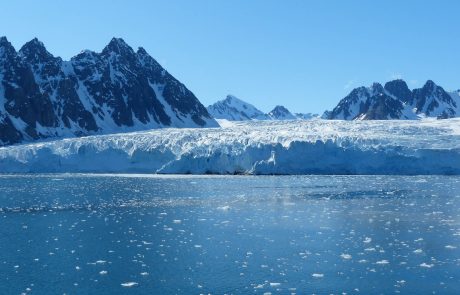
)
(305, 55)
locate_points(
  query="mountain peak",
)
(280, 108)
(376, 88)
(118, 46)
(6, 47)
(234, 109)
(398, 88)
(397, 82)
(429, 84)
(231, 97)
(36, 42)
(35, 50)
(3, 40)
(281, 113)
(142, 51)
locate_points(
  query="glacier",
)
(427, 146)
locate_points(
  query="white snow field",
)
(254, 147)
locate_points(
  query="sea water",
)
(147, 234)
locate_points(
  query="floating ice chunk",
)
(426, 265)
(345, 256)
(317, 275)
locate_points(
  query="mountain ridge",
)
(116, 90)
(395, 100)
(234, 109)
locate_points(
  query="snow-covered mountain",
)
(281, 113)
(234, 109)
(396, 101)
(426, 146)
(116, 90)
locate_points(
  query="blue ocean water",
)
(139, 234)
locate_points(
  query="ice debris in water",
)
(129, 284)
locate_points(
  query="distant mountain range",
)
(122, 90)
(234, 109)
(117, 90)
(396, 101)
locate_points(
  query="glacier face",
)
(254, 147)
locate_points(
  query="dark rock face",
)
(115, 90)
(396, 101)
(399, 89)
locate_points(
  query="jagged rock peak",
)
(281, 113)
(118, 46)
(142, 51)
(4, 40)
(280, 108)
(429, 84)
(396, 85)
(398, 88)
(35, 50)
(6, 48)
(376, 88)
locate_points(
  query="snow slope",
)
(255, 147)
